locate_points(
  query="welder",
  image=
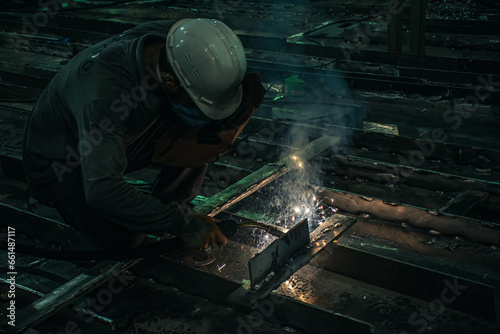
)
(172, 94)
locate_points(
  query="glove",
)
(202, 232)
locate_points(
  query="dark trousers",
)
(68, 197)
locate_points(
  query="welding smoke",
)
(293, 197)
(309, 98)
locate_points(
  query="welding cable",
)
(266, 227)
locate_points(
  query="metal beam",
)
(469, 228)
(472, 297)
(78, 286)
(316, 320)
(417, 176)
(35, 225)
(309, 318)
(417, 27)
(464, 202)
(394, 30)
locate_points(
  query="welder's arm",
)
(103, 167)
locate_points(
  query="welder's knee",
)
(97, 229)
(43, 193)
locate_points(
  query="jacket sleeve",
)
(102, 149)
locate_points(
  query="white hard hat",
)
(209, 60)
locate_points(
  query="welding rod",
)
(263, 176)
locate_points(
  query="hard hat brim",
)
(222, 108)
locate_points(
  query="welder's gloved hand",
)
(202, 232)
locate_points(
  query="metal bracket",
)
(297, 256)
(269, 260)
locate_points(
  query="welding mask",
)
(193, 146)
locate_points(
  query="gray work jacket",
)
(95, 106)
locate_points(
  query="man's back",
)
(107, 81)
